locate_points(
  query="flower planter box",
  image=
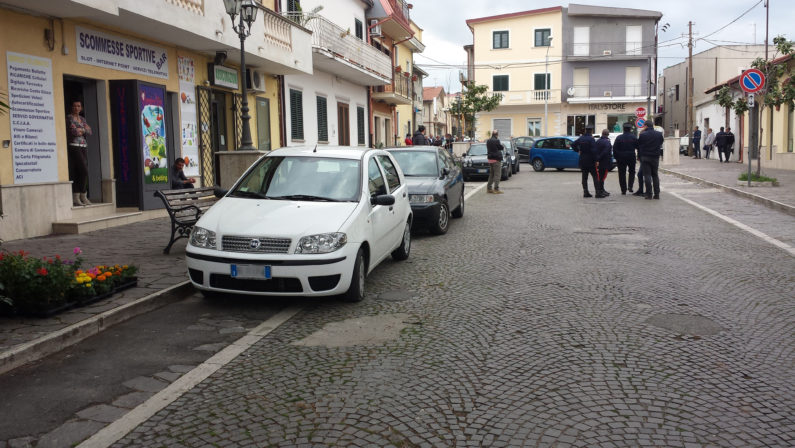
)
(49, 311)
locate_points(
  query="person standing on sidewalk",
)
(604, 151)
(720, 142)
(697, 142)
(624, 151)
(729, 143)
(77, 128)
(419, 137)
(586, 147)
(708, 142)
(650, 144)
(494, 154)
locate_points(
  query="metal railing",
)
(529, 96)
(608, 50)
(606, 90)
(401, 85)
(328, 36)
(401, 10)
(196, 6)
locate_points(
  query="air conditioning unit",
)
(255, 80)
(375, 31)
(608, 93)
(606, 53)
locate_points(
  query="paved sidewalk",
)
(724, 176)
(140, 244)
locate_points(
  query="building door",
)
(263, 124)
(206, 157)
(218, 129)
(85, 91)
(343, 124)
(377, 129)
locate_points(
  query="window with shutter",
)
(322, 120)
(359, 29)
(296, 115)
(360, 124)
(293, 5)
(500, 83)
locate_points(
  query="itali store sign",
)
(119, 53)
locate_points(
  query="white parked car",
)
(303, 222)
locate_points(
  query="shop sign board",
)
(223, 76)
(187, 108)
(32, 114)
(119, 53)
(153, 134)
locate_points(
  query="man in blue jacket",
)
(604, 153)
(624, 151)
(586, 146)
(650, 144)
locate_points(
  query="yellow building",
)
(519, 55)
(157, 80)
(407, 116)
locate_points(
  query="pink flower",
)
(77, 251)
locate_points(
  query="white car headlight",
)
(321, 244)
(420, 198)
(203, 238)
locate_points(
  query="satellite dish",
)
(571, 91)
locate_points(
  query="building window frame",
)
(358, 28)
(296, 115)
(544, 41)
(504, 39)
(322, 119)
(506, 79)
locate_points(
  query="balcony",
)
(393, 17)
(275, 44)
(607, 93)
(337, 51)
(608, 51)
(396, 93)
(529, 97)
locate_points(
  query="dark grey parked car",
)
(475, 163)
(435, 184)
(523, 145)
(514, 157)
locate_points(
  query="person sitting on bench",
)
(178, 179)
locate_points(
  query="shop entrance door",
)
(206, 156)
(85, 91)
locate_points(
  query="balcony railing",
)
(401, 10)
(609, 50)
(195, 6)
(400, 86)
(529, 96)
(606, 91)
(328, 36)
(277, 30)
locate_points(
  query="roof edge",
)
(511, 15)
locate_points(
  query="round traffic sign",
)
(640, 112)
(640, 122)
(752, 80)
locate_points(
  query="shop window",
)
(575, 124)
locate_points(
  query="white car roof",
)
(337, 152)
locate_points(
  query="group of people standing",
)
(723, 141)
(419, 139)
(595, 160)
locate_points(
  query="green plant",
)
(474, 99)
(30, 284)
(757, 178)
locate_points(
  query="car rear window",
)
(477, 150)
(417, 163)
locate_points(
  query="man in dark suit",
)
(624, 151)
(720, 141)
(729, 144)
(586, 146)
(650, 144)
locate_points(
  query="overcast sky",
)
(445, 31)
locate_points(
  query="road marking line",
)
(751, 230)
(474, 191)
(121, 427)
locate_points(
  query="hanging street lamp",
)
(247, 10)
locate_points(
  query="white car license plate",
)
(250, 271)
(483, 170)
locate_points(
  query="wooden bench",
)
(185, 207)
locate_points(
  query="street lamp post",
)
(247, 10)
(546, 84)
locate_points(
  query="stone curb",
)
(788, 209)
(66, 337)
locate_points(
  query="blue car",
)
(556, 152)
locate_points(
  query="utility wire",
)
(727, 25)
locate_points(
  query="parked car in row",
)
(514, 158)
(523, 145)
(476, 164)
(303, 222)
(556, 152)
(435, 185)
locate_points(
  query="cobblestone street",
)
(540, 319)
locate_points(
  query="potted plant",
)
(398, 69)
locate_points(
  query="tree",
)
(474, 99)
(779, 86)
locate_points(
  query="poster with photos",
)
(187, 93)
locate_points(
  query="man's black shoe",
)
(629, 189)
(648, 196)
(637, 193)
(606, 193)
(586, 194)
(623, 192)
(656, 196)
(600, 195)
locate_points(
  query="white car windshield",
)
(302, 179)
(417, 163)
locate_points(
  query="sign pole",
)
(753, 147)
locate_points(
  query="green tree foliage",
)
(474, 99)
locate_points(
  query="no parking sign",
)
(752, 80)
(640, 122)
